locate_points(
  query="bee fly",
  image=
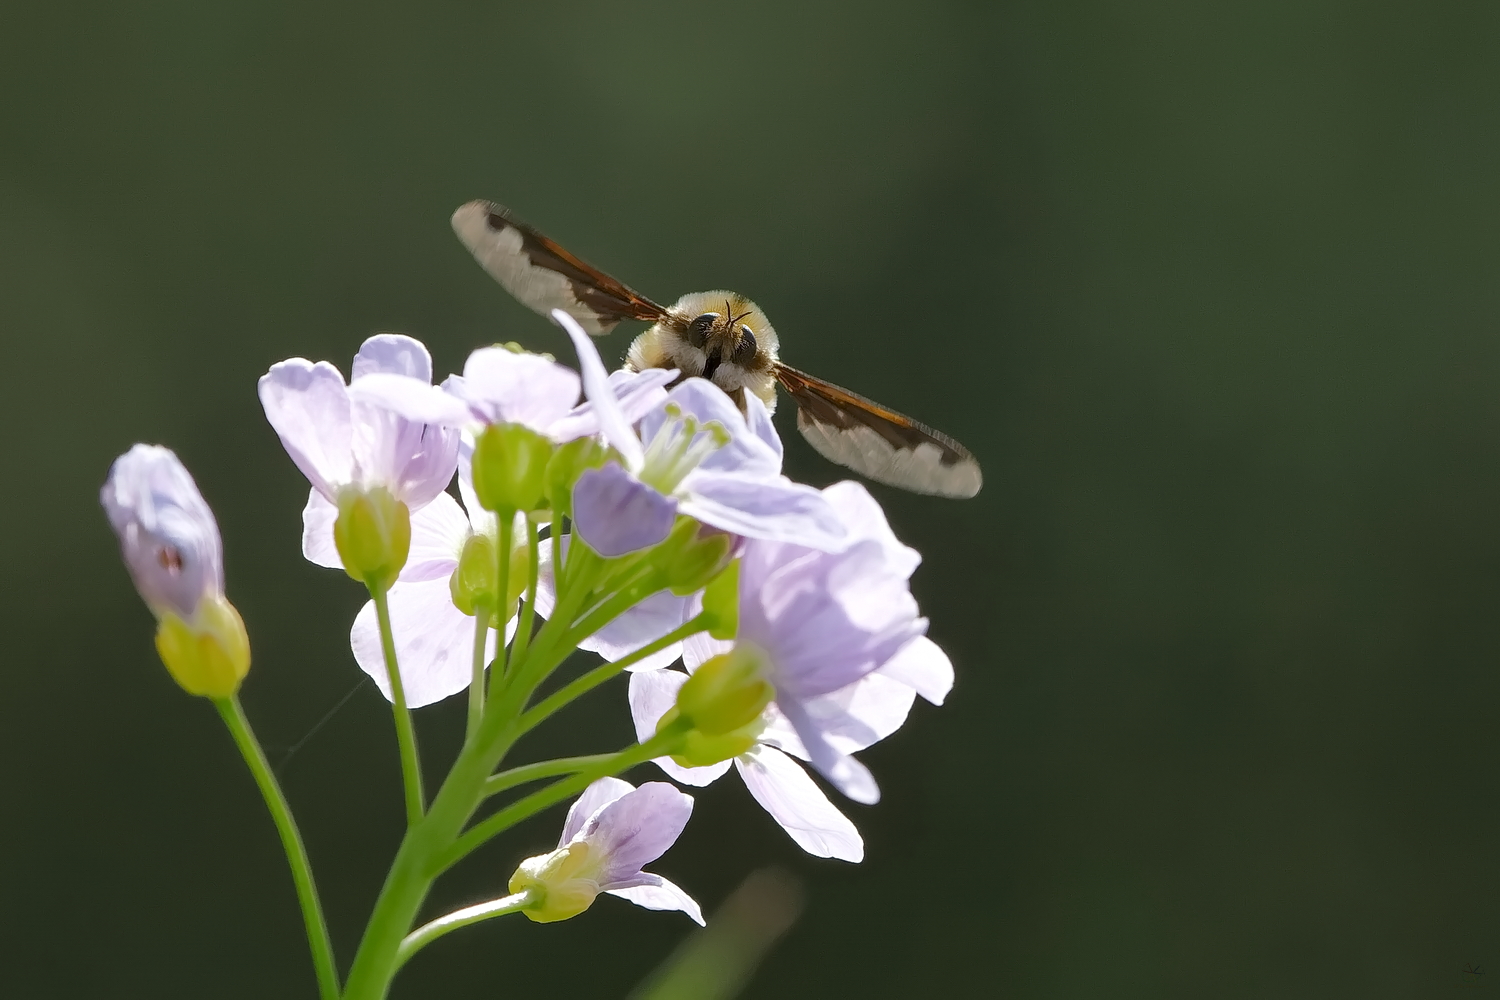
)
(724, 337)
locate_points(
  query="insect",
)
(724, 337)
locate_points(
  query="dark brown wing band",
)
(544, 276)
(604, 293)
(878, 442)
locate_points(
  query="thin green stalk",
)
(430, 932)
(502, 557)
(659, 745)
(555, 537)
(291, 841)
(406, 734)
(546, 650)
(612, 607)
(526, 617)
(544, 769)
(535, 715)
(476, 677)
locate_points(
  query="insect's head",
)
(723, 336)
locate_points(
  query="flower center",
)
(679, 445)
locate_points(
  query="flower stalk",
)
(406, 733)
(291, 841)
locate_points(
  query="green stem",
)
(406, 734)
(291, 842)
(664, 742)
(430, 932)
(611, 608)
(412, 873)
(544, 769)
(535, 715)
(507, 528)
(526, 617)
(476, 677)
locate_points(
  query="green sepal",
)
(510, 468)
(721, 602)
(372, 535)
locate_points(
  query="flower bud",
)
(726, 693)
(721, 603)
(473, 582)
(510, 468)
(699, 749)
(208, 655)
(562, 884)
(692, 555)
(569, 462)
(372, 534)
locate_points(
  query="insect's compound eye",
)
(698, 329)
(744, 352)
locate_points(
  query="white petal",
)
(418, 401)
(652, 693)
(503, 386)
(863, 713)
(595, 797)
(759, 422)
(844, 772)
(395, 353)
(777, 510)
(318, 518)
(666, 896)
(612, 422)
(700, 648)
(438, 533)
(923, 667)
(400, 447)
(796, 802)
(308, 405)
(863, 518)
(434, 643)
(638, 393)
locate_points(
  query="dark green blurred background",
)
(1211, 293)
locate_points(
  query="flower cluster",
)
(638, 515)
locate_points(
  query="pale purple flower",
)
(390, 428)
(612, 832)
(821, 625)
(168, 536)
(701, 457)
(501, 386)
(851, 719)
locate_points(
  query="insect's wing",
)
(544, 276)
(877, 442)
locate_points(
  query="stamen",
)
(678, 448)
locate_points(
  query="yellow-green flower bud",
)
(726, 693)
(699, 749)
(721, 602)
(373, 535)
(210, 655)
(473, 582)
(560, 883)
(510, 468)
(569, 462)
(691, 556)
